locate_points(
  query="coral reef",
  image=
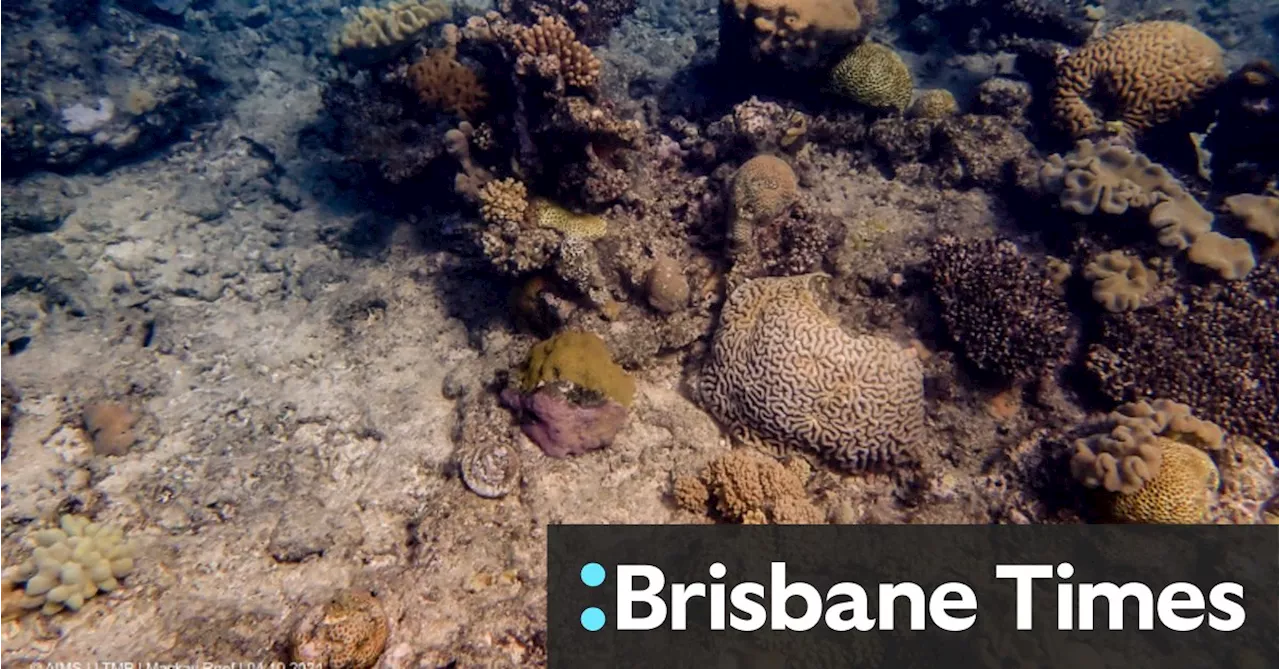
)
(388, 28)
(504, 202)
(1126, 454)
(934, 103)
(1120, 280)
(666, 286)
(443, 83)
(1180, 494)
(1211, 347)
(873, 75)
(580, 358)
(110, 426)
(1113, 179)
(574, 226)
(763, 188)
(1005, 314)
(1141, 75)
(1247, 125)
(781, 372)
(751, 488)
(796, 35)
(69, 566)
(551, 46)
(350, 631)
(992, 25)
(592, 22)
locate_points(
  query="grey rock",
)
(201, 199)
(37, 204)
(301, 532)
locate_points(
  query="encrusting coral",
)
(1120, 280)
(1007, 316)
(388, 27)
(746, 487)
(1259, 213)
(793, 34)
(783, 373)
(69, 566)
(349, 631)
(1142, 75)
(875, 76)
(580, 226)
(441, 82)
(1113, 179)
(110, 426)
(581, 358)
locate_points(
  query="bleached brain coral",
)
(71, 564)
(783, 373)
(1142, 75)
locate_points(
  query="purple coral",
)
(562, 427)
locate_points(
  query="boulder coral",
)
(1140, 75)
(763, 188)
(875, 76)
(349, 631)
(1180, 494)
(796, 35)
(782, 373)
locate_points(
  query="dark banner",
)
(1131, 597)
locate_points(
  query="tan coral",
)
(580, 226)
(1260, 214)
(390, 26)
(1181, 493)
(349, 631)
(751, 488)
(934, 103)
(796, 34)
(551, 37)
(504, 201)
(1143, 73)
(441, 82)
(783, 373)
(1120, 280)
(763, 188)
(873, 75)
(1127, 455)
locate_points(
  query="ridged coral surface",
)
(875, 76)
(784, 372)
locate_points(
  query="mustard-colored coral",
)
(783, 373)
(1120, 280)
(68, 566)
(763, 188)
(1127, 455)
(504, 201)
(1260, 214)
(873, 75)
(579, 226)
(797, 34)
(581, 358)
(390, 26)
(441, 82)
(1180, 494)
(349, 631)
(752, 488)
(934, 103)
(551, 37)
(1142, 75)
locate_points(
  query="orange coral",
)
(552, 38)
(443, 83)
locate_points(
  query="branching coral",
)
(1006, 315)
(1141, 74)
(552, 49)
(592, 22)
(747, 487)
(388, 27)
(1114, 179)
(794, 34)
(504, 201)
(1120, 281)
(783, 373)
(873, 75)
(441, 82)
(70, 565)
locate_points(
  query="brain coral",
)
(1212, 347)
(763, 188)
(71, 564)
(349, 631)
(873, 75)
(388, 27)
(1180, 493)
(783, 373)
(1142, 74)
(1006, 315)
(795, 34)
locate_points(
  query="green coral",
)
(583, 226)
(581, 358)
(873, 75)
(70, 565)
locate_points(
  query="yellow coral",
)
(443, 83)
(390, 26)
(1144, 73)
(873, 75)
(934, 103)
(580, 226)
(504, 201)
(1180, 494)
(581, 358)
(69, 566)
(551, 36)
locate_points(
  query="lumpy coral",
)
(349, 631)
(441, 82)
(873, 75)
(934, 103)
(390, 26)
(783, 373)
(581, 358)
(1142, 75)
(1120, 280)
(1126, 454)
(70, 565)
(1259, 213)
(551, 39)
(504, 201)
(1180, 493)
(763, 188)
(1212, 347)
(747, 487)
(563, 420)
(1111, 178)
(666, 286)
(793, 34)
(1006, 315)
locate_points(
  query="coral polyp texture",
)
(751, 488)
(1180, 494)
(1111, 178)
(875, 76)
(578, 226)
(1141, 75)
(1005, 314)
(443, 83)
(1126, 454)
(793, 34)
(782, 373)
(349, 631)
(935, 103)
(504, 201)
(763, 189)
(70, 565)
(389, 27)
